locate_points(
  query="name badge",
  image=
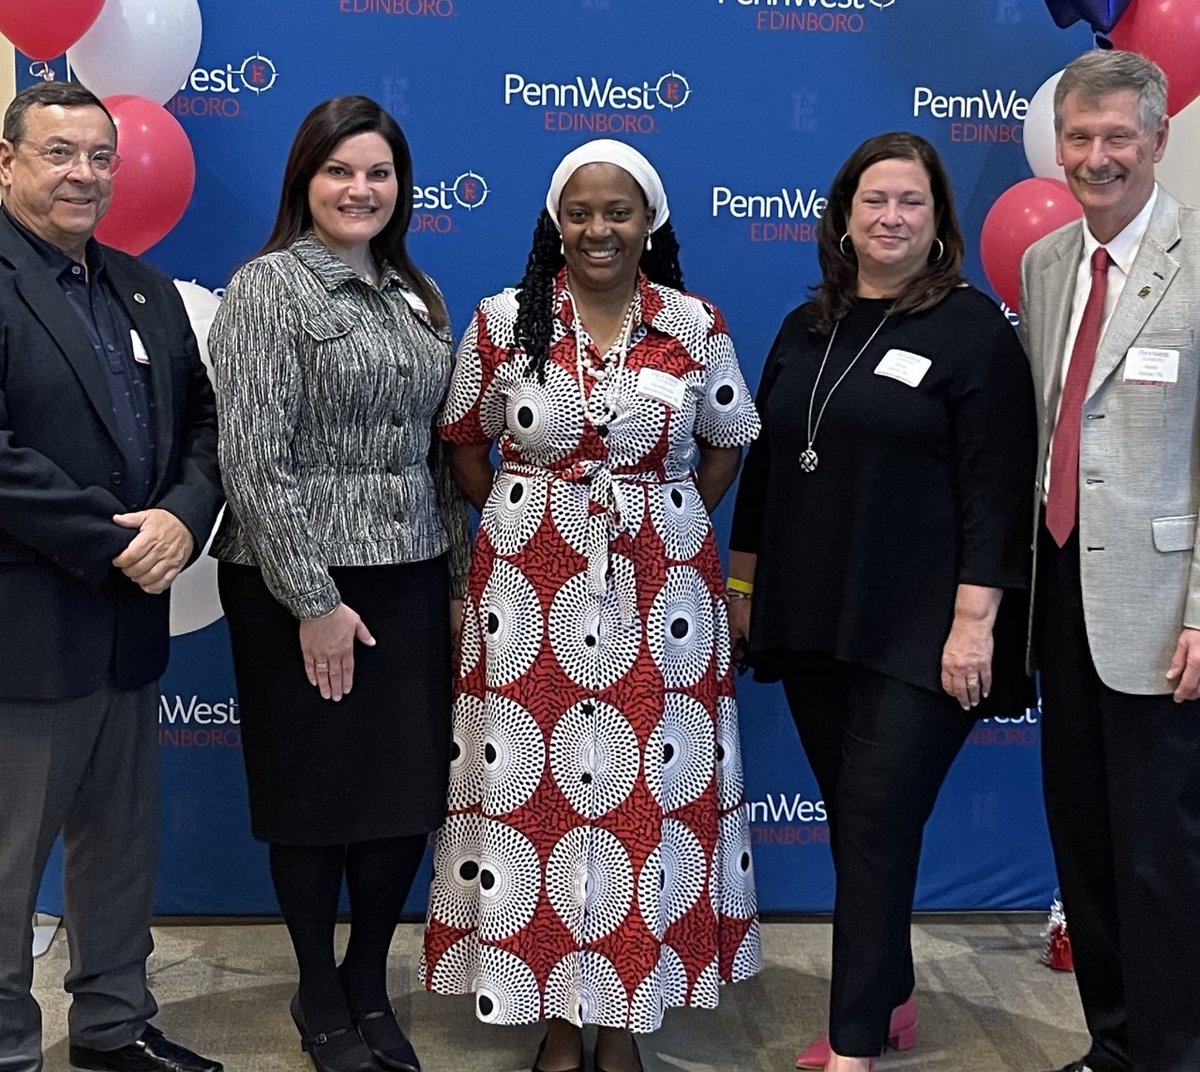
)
(1144, 365)
(139, 349)
(662, 386)
(906, 367)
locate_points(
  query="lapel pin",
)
(1144, 292)
(139, 297)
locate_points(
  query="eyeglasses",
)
(62, 156)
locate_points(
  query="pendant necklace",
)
(808, 456)
(602, 414)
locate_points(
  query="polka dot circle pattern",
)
(595, 757)
(470, 645)
(466, 753)
(591, 643)
(679, 753)
(679, 519)
(680, 628)
(514, 755)
(589, 882)
(730, 787)
(733, 878)
(454, 893)
(507, 992)
(683, 869)
(514, 511)
(512, 621)
(509, 881)
(537, 421)
(457, 968)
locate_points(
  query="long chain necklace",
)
(599, 405)
(808, 456)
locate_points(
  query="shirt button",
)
(398, 420)
(116, 478)
(404, 371)
(399, 515)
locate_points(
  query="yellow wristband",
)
(735, 585)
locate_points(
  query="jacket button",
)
(116, 477)
(398, 420)
(399, 515)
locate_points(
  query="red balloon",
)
(47, 28)
(1168, 32)
(1021, 215)
(154, 184)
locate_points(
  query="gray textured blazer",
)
(327, 392)
(1139, 470)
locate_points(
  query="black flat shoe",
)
(386, 1040)
(152, 1051)
(541, 1049)
(342, 1050)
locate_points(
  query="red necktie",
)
(1062, 501)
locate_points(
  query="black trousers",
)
(880, 750)
(1122, 783)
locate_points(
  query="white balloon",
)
(194, 599)
(1179, 171)
(1039, 131)
(147, 47)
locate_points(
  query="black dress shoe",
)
(342, 1050)
(387, 1042)
(152, 1052)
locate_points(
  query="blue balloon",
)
(1100, 15)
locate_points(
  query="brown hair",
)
(45, 95)
(835, 294)
(327, 125)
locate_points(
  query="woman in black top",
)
(880, 551)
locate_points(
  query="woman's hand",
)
(327, 644)
(967, 653)
(739, 620)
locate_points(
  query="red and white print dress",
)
(595, 860)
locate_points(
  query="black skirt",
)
(374, 765)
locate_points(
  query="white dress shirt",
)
(1123, 250)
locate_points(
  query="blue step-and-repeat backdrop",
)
(748, 108)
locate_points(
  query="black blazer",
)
(67, 615)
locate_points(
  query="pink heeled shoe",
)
(902, 1035)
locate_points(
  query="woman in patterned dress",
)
(594, 866)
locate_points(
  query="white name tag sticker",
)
(1151, 367)
(904, 366)
(139, 349)
(661, 386)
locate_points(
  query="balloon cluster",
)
(134, 55)
(1166, 31)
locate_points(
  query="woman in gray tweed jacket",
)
(341, 553)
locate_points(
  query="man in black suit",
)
(108, 488)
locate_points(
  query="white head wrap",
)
(626, 157)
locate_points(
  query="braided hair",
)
(535, 298)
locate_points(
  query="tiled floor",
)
(986, 1004)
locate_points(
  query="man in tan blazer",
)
(1110, 312)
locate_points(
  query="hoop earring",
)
(649, 242)
(842, 245)
(941, 251)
